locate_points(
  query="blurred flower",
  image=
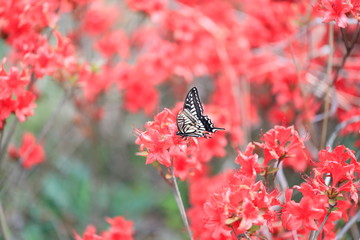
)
(120, 229)
(335, 10)
(152, 7)
(99, 18)
(30, 153)
(89, 234)
(112, 43)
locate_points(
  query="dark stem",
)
(349, 47)
(240, 236)
(316, 234)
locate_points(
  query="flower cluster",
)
(160, 143)
(120, 229)
(284, 144)
(14, 96)
(241, 205)
(337, 10)
(236, 202)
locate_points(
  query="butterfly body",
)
(190, 121)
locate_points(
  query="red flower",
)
(99, 18)
(140, 95)
(248, 162)
(303, 214)
(241, 204)
(284, 144)
(335, 10)
(114, 42)
(89, 234)
(7, 106)
(120, 229)
(340, 165)
(12, 83)
(152, 7)
(30, 153)
(160, 143)
(25, 106)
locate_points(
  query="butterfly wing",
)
(189, 125)
(192, 122)
(193, 104)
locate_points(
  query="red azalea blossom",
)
(303, 214)
(160, 143)
(114, 42)
(120, 229)
(30, 153)
(335, 10)
(341, 165)
(248, 162)
(99, 18)
(242, 204)
(284, 144)
(89, 234)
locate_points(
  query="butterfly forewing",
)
(193, 103)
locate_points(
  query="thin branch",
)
(349, 47)
(327, 94)
(244, 235)
(7, 139)
(339, 127)
(282, 180)
(49, 123)
(4, 226)
(316, 234)
(347, 226)
(180, 204)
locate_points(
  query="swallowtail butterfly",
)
(190, 121)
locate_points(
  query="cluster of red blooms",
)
(235, 203)
(339, 10)
(14, 96)
(120, 229)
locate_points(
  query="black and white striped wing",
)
(189, 125)
(193, 104)
(191, 121)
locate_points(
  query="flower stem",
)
(349, 47)
(4, 226)
(7, 138)
(347, 226)
(180, 204)
(329, 84)
(316, 234)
